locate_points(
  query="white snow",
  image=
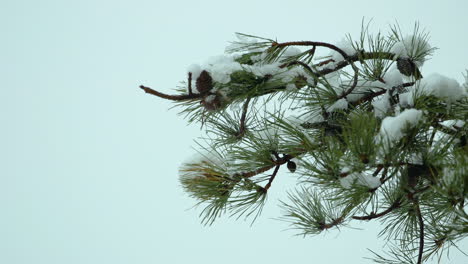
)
(410, 47)
(392, 128)
(262, 70)
(453, 124)
(338, 105)
(361, 179)
(381, 105)
(345, 45)
(195, 69)
(289, 75)
(220, 68)
(407, 99)
(291, 87)
(291, 51)
(393, 77)
(442, 87)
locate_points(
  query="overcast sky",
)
(89, 163)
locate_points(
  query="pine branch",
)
(272, 177)
(280, 161)
(421, 230)
(335, 222)
(372, 215)
(242, 128)
(348, 61)
(361, 146)
(181, 97)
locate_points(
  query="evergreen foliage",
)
(369, 137)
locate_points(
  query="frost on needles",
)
(369, 135)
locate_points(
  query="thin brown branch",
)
(355, 82)
(304, 65)
(272, 177)
(312, 43)
(421, 230)
(335, 222)
(339, 65)
(377, 171)
(190, 83)
(242, 128)
(359, 57)
(325, 62)
(181, 97)
(373, 215)
(307, 67)
(375, 94)
(278, 162)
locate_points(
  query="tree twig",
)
(421, 230)
(242, 128)
(373, 215)
(180, 97)
(190, 83)
(272, 177)
(312, 43)
(335, 222)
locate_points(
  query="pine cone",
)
(204, 82)
(407, 67)
(291, 166)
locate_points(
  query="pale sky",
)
(89, 163)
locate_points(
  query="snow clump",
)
(361, 179)
(392, 128)
(442, 87)
(415, 47)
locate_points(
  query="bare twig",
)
(335, 222)
(242, 128)
(181, 97)
(375, 94)
(421, 230)
(190, 83)
(373, 215)
(278, 161)
(312, 43)
(272, 177)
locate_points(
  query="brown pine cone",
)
(407, 67)
(204, 82)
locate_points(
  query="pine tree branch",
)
(360, 56)
(242, 128)
(272, 177)
(305, 66)
(190, 83)
(373, 215)
(335, 222)
(311, 43)
(349, 60)
(355, 82)
(421, 230)
(180, 97)
(375, 94)
(279, 161)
